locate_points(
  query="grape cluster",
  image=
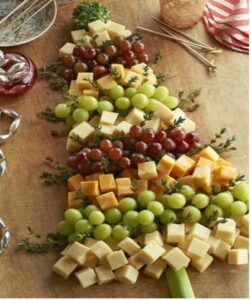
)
(97, 60)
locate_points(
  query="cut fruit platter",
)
(144, 194)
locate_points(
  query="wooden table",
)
(25, 201)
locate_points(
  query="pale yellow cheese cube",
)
(107, 129)
(124, 187)
(184, 244)
(140, 69)
(151, 252)
(241, 242)
(85, 80)
(176, 259)
(91, 261)
(119, 120)
(200, 232)
(209, 153)
(86, 277)
(156, 269)
(127, 274)
(238, 257)
(244, 230)
(222, 250)
(150, 79)
(154, 236)
(67, 49)
(77, 35)
(223, 162)
(91, 92)
(118, 71)
(177, 113)
(204, 162)
(129, 246)
(166, 164)
(163, 112)
(213, 242)
(183, 165)
(188, 125)
(245, 221)
(136, 261)
(97, 26)
(116, 259)
(108, 117)
(115, 29)
(187, 180)
(203, 178)
(104, 274)
(175, 233)
(107, 183)
(135, 116)
(147, 170)
(154, 123)
(78, 252)
(64, 252)
(65, 266)
(73, 90)
(197, 248)
(112, 243)
(127, 33)
(101, 38)
(225, 230)
(225, 173)
(106, 82)
(86, 41)
(201, 264)
(101, 250)
(94, 122)
(132, 79)
(231, 240)
(124, 127)
(88, 242)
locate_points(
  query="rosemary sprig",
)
(115, 75)
(58, 85)
(135, 36)
(185, 219)
(70, 98)
(76, 138)
(147, 117)
(131, 80)
(53, 70)
(162, 77)
(187, 103)
(105, 164)
(56, 133)
(179, 121)
(106, 43)
(157, 57)
(145, 73)
(237, 179)
(171, 189)
(49, 115)
(134, 185)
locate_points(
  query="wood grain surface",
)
(25, 201)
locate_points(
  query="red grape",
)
(136, 159)
(171, 155)
(138, 46)
(177, 135)
(147, 135)
(143, 58)
(69, 61)
(90, 53)
(111, 50)
(140, 147)
(79, 51)
(125, 162)
(80, 67)
(105, 145)
(126, 153)
(124, 45)
(99, 71)
(118, 39)
(135, 131)
(160, 136)
(118, 144)
(154, 149)
(69, 75)
(182, 147)
(81, 157)
(129, 142)
(91, 64)
(103, 58)
(194, 145)
(132, 62)
(84, 169)
(97, 167)
(112, 167)
(128, 55)
(169, 145)
(72, 162)
(115, 153)
(86, 150)
(192, 137)
(95, 154)
(120, 60)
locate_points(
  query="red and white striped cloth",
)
(228, 22)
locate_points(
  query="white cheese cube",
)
(188, 125)
(241, 242)
(116, 259)
(106, 82)
(154, 123)
(154, 237)
(101, 38)
(77, 35)
(91, 261)
(78, 252)
(115, 29)
(136, 261)
(124, 127)
(84, 80)
(94, 122)
(222, 250)
(200, 232)
(238, 257)
(90, 242)
(184, 244)
(231, 240)
(104, 274)
(132, 79)
(245, 221)
(176, 259)
(225, 230)
(112, 243)
(244, 231)
(107, 129)
(213, 243)
(86, 41)
(163, 112)
(97, 26)
(147, 170)
(101, 250)
(175, 233)
(67, 49)
(177, 114)
(129, 246)
(65, 266)
(135, 116)
(86, 277)
(108, 117)
(197, 248)
(64, 252)
(156, 269)
(140, 69)
(127, 274)
(203, 263)
(151, 252)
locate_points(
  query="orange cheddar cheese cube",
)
(131, 173)
(124, 187)
(204, 162)
(107, 183)
(209, 153)
(90, 188)
(73, 202)
(74, 182)
(158, 191)
(141, 185)
(203, 178)
(182, 166)
(187, 180)
(223, 162)
(166, 164)
(94, 176)
(107, 200)
(161, 176)
(147, 170)
(225, 173)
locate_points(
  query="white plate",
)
(31, 30)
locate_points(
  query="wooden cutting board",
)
(25, 201)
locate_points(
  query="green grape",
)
(171, 102)
(227, 212)
(131, 218)
(176, 201)
(127, 204)
(151, 105)
(105, 105)
(72, 215)
(200, 200)
(147, 89)
(168, 216)
(146, 217)
(140, 101)
(65, 228)
(130, 92)
(161, 93)
(102, 232)
(113, 216)
(75, 237)
(122, 103)
(80, 115)
(164, 200)
(62, 111)
(96, 217)
(120, 232)
(89, 209)
(188, 192)
(224, 199)
(88, 102)
(213, 209)
(191, 214)
(145, 197)
(241, 192)
(149, 228)
(238, 208)
(156, 208)
(116, 92)
(70, 121)
(83, 226)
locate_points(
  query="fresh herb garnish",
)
(132, 80)
(105, 163)
(76, 138)
(170, 189)
(72, 98)
(145, 73)
(134, 185)
(56, 133)
(237, 179)
(147, 117)
(157, 57)
(187, 103)
(49, 115)
(58, 85)
(115, 75)
(135, 36)
(52, 70)
(162, 77)
(106, 43)
(179, 121)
